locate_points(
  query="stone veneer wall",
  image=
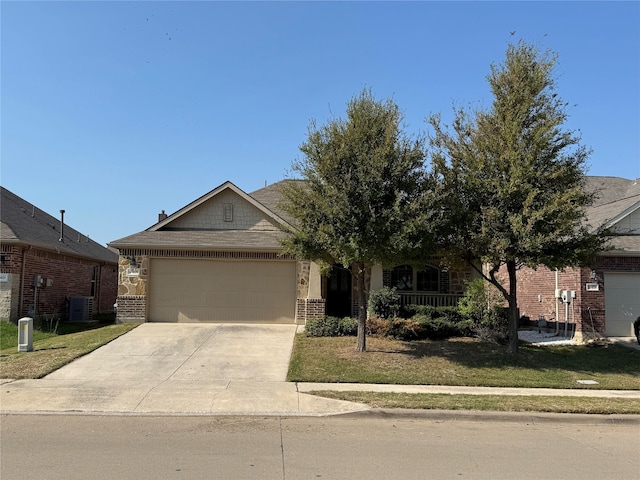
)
(303, 270)
(9, 296)
(457, 280)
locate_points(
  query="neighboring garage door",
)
(222, 291)
(622, 303)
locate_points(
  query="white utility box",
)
(25, 334)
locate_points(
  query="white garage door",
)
(622, 303)
(222, 291)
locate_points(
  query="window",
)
(402, 278)
(428, 279)
(405, 279)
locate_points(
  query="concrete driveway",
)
(183, 352)
(178, 369)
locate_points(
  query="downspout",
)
(557, 310)
(99, 285)
(566, 317)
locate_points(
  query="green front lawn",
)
(462, 361)
(470, 362)
(52, 350)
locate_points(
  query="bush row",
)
(480, 313)
(331, 327)
(441, 323)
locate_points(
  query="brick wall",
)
(309, 309)
(131, 309)
(64, 276)
(587, 309)
(536, 290)
(593, 306)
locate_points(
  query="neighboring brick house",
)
(219, 259)
(44, 263)
(607, 292)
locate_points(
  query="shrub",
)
(384, 303)
(451, 313)
(400, 328)
(482, 305)
(444, 324)
(331, 327)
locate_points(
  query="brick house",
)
(219, 259)
(607, 292)
(48, 268)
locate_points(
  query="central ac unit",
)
(80, 309)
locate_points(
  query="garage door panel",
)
(222, 291)
(622, 303)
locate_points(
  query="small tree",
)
(361, 177)
(510, 188)
(384, 303)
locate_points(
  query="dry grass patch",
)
(498, 403)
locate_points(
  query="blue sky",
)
(116, 110)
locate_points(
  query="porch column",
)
(376, 278)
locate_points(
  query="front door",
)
(339, 292)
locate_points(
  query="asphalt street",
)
(358, 446)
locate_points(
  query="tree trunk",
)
(358, 274)
(512, 348)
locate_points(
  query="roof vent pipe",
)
(61, 225)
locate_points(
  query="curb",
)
(534, 418)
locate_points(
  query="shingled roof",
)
(615, 199)
(202, 240)
(161, 235)
(24, 224)
(271, 196)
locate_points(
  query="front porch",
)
(431, 299)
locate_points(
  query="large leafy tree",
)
(511, 179)
(361, 177)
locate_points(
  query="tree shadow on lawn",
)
(474, 353)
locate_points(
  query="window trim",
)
(414, 278)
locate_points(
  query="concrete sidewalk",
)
(454, 390)
(184, 397)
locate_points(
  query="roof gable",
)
(616, 199)
(627, 222)
(226, 207)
